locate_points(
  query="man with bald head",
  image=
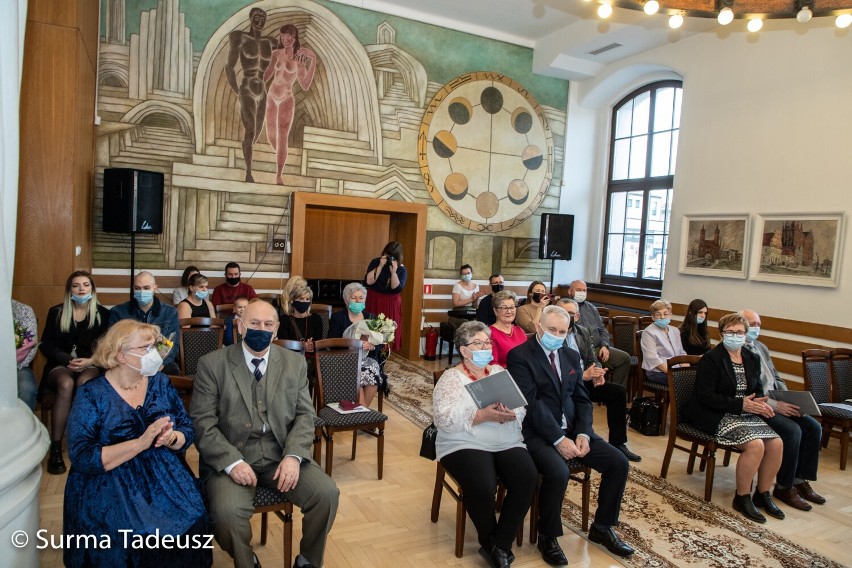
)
(800, 433)
(145, 307)
(612, 358)
(254, 426)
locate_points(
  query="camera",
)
(390, 258)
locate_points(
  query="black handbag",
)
(645, 416)
(427, 446)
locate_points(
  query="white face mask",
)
(579, 297)
(149, 364)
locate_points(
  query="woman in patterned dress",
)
(728, 403)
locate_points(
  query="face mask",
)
(202, 295)
(551, 342)
(733, 343)
(497, 288)
(149, 364)
(481, 358)
(81, 299)
(233, 281)
(699, 319)
(257, 339)
(357, 307)
(753, 333)
(143, 297)
(466, 277)
(301, 307)
(662, 323)
(579, 297)
(536, 297)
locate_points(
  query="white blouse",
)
(465, 294)
(658, 345)
(453, 412)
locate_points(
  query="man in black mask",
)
(233, 288)
(485, 309)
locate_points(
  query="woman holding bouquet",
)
(386, 278)
(70, 332)
(355, 296)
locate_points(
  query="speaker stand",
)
(132, 259)
(552, 269)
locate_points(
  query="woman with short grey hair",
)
(660, 342)
(505, 335)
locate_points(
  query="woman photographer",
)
(385, 280)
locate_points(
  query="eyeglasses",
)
(479, 344)
(147, 348)
(734, 333)
(507, 308)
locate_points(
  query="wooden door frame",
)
(410, 222)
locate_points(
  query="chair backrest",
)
(197, 342)
(623, 333)
(224, 310)
(338, 369)
(291, 344)
(270, 297)
(324, 311)
(183, 386)
(816, 368)
(637, 338)
(683, 371)
(644, 321)
(841, 374)
(603, 311)
(201, 322)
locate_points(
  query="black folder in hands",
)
(803, 399)
(499, 387)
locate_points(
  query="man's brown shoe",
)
(791, 497)
(805, 490)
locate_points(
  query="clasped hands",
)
(757, 406)
(497, 412)
(287, 474)
(594, 374)
(569, 449)
(161, 432)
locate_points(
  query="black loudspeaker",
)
(133, 201)
(557, 236)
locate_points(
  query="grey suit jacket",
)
(583, 338)
(221, 406)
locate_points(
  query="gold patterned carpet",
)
(669, 527)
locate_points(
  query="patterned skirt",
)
(738, 429)
(370, 372)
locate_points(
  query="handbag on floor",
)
(427, 446)
(645, 416)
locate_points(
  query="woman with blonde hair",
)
(125, 433)
(196, 304)
(298, 322)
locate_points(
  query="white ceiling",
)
(562, 32)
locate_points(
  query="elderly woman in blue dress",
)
(126, 430)
(478, 446)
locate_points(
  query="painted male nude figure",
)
(253, 52)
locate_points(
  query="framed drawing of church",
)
(802, 249)
(714, 245)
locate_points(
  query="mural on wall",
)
(238, 109)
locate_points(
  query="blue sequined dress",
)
(153, 493)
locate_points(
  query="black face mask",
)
(497, 288)
(233, 281)
(301, 307)
(536, 297)
(257, 339)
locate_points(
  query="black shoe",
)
(765, 502)
(300, 562)
(610, 540)
(256, 563)
(744, 505)
(551, 552)
(497, 558)
(626, 451)
(55, 463)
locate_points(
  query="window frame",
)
(644, 185)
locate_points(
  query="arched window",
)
(643, 151)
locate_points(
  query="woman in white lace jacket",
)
(479, 446)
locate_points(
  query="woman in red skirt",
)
(385, 279)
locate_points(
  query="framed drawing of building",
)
(800, 249)
(714, 245)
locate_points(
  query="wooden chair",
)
(582, 474)
(644, 321)
(224, 310)
(660, 392)
(681, 387)
(299, 347)
(324, 311)
(271, 297)
(623, 333)
(338, 378)
(818, 371)
(841, 392)
(604, 313)
(195, 342)
(268, 500)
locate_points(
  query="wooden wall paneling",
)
(84, 147)
(340, 244)
(65, 13)
(88, 18)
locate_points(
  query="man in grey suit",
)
(612, 395)
(254, 425)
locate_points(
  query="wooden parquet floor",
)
(386, 523)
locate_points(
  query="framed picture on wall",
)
(798, 248)
(714, 245)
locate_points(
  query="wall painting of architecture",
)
(715, 245)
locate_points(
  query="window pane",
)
(630, 262)
(634, 212)
(660, 154)
(665, 256)
(663, 109)
(613, 255)
(641, 112)
(617, 212)
(638, 154)
(622, 120)
(658, 206)
(654, 250)
(677, 102)
(675, 137)
(620, 159)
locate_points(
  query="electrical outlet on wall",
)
(280, 245)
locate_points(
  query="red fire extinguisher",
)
(431, 344)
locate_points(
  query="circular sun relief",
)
(485, 151)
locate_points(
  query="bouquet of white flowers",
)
(378, 331)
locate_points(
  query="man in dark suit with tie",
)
(254, 425)
(558, 427)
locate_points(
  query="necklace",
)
(506, 333)
(134, 387)
(469, 374)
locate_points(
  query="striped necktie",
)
(257, 373)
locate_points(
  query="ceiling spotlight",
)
(652, 7)
(675, 21)
(605, 10)
(755, 24)
(843, 21)
(726, 16)
(804, 16)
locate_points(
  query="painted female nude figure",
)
(289, 63)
